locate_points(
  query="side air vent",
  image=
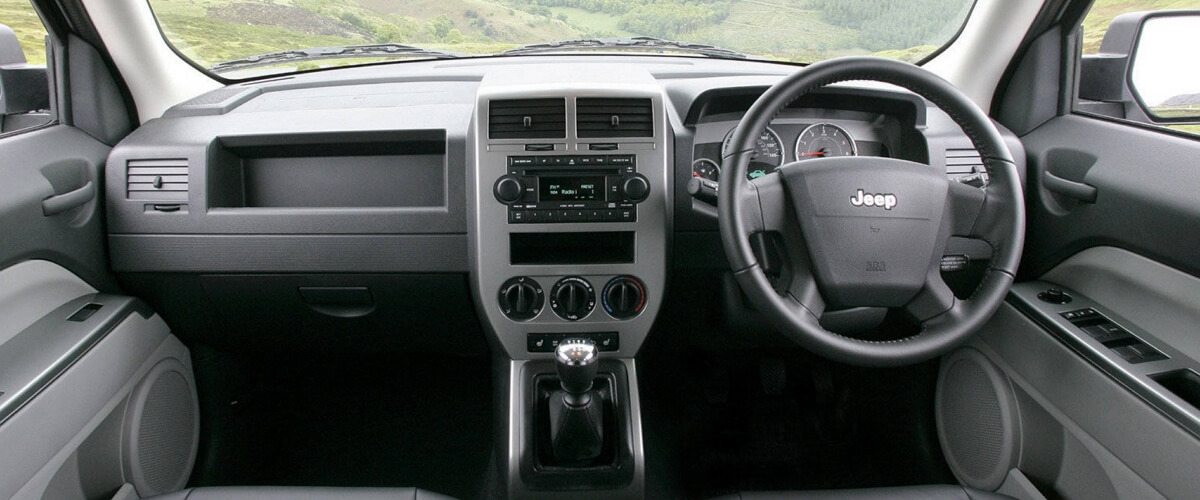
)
(607, 117)
(966, 166)
(157, 180)
(527, 119)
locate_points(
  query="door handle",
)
(62, 202)
(1071, 189)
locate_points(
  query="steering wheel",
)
(866, 231)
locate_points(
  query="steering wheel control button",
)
(1054, 296)
(572, 298)
(521, 298)
(624, 297)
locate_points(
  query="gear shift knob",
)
(576, 360)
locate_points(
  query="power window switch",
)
(1105, 332)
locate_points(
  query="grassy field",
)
(20, 16)
(592, 24)
(780, 29)
(1103, 11)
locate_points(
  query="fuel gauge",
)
(705, 168)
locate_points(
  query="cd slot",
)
(561, 172)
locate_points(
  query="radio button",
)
(620, 160)
(520, 161)
(518, 216)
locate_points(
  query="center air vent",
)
(607, 117)
(527, 119)
(157, 180)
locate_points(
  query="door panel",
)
(37, 166)
(1114, 219)
(1161, 300)
(1145, 184)
(95, 392)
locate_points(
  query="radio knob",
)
(509, 189)
(635, 188)
(624, 297)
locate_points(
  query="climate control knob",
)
(624, 297)
(521, 298)
(635, 188)
(572, 298)
(509, 189)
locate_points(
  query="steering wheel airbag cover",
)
(871, 225)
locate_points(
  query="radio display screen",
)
(575, 188)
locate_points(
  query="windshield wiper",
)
(316, 53)
(636, 42)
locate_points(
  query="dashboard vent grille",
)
(606, 117)
(157, 180)
(965, 165)
(527, 119)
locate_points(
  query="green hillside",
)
(1103, 12)
(20, 16)
(212, 31)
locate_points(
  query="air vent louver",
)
(157, 180)
(527, 119)
(607, 117)
(965, 165)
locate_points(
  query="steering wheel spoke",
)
(770, 219)
(934, 299)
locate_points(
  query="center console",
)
(568, 241)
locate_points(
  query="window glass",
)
(25, 88)
(1152, 79)
(24, 21)
(226, 36)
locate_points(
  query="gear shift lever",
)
(575, 360)
(576, 412)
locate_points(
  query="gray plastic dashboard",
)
(366, 169)
(240, 166)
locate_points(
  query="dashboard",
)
(460, 196)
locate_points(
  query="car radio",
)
(572, 188)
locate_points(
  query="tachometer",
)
(824, 140)
(768, 153)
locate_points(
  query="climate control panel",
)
(572, 298)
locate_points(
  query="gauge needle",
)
(813, 153)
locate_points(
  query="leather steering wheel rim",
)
(995, 215)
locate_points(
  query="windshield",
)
(247, 38)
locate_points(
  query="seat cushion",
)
(923, 492)
(300, 493)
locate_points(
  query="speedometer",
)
(824, 140)
(768, 153)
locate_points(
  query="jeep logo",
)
(860, 199)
